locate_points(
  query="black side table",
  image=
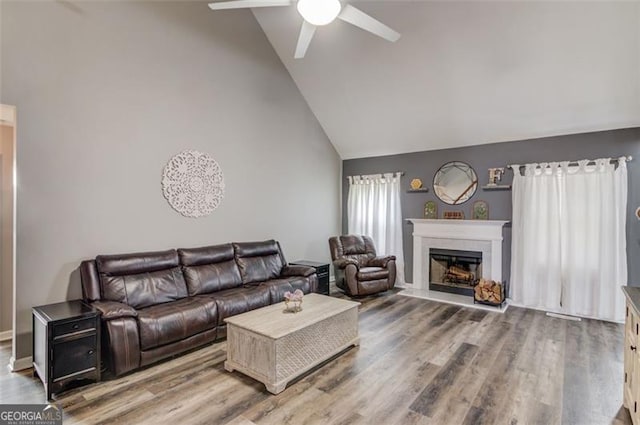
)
(66, 344)
(322, 269)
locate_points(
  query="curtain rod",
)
(574, 163)
(365, 175)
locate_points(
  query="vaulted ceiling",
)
(466, 73)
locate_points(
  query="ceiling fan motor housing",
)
(319, 12)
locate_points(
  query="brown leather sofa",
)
(158, 304)
(358, 270)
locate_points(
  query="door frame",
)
(8, 118)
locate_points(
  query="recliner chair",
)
(358, 270)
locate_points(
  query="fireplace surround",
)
(476, 236)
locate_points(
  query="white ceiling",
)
(466, 73)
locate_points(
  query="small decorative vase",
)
(293, 306)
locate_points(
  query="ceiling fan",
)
(316, 13)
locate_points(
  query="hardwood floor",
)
(419, 362)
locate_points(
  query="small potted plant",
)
(293, 300)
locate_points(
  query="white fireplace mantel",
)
(469, 235)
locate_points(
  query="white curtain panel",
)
(594, 254)
(535, 247)
(569, 243)
(373, 209)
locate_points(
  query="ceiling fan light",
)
(319, 12)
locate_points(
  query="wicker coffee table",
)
(275, 347)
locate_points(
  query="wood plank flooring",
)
(419, 362)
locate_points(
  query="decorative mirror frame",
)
(467, 193)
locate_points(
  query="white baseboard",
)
(546, 310)
(6, 335)
(20, 364)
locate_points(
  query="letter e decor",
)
(193, 183)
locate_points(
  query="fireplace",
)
(476, 246)
(454, 271)
(484, 236)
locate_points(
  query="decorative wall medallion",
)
(480, 211)
(193, 183)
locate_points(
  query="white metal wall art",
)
(193, 183)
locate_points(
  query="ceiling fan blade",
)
(243, 4)
(306, 34)
(361, 20)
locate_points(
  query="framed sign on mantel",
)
(453, 215)
(430, 210)
(480, 211)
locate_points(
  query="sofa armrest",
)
(295, 270)
(381, 261)
(114, 310)
(342, 263)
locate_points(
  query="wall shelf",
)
(421, 190)
(497, 187)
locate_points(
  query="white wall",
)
(467, 72)
(108, 92)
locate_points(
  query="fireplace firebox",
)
(454, 271)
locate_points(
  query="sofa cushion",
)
(239, 300)
(210, 269)
(141, 280)
(166, 323)
(372, 273)
(258, 261)
(210, 278)
(277, 287)
(125, 264)
(205, 255)
(301, 283)
(145, 289)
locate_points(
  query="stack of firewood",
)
(459, 273)
(489, 291)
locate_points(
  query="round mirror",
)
(455, 182)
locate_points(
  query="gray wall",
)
(424, 165)
(107, 92)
